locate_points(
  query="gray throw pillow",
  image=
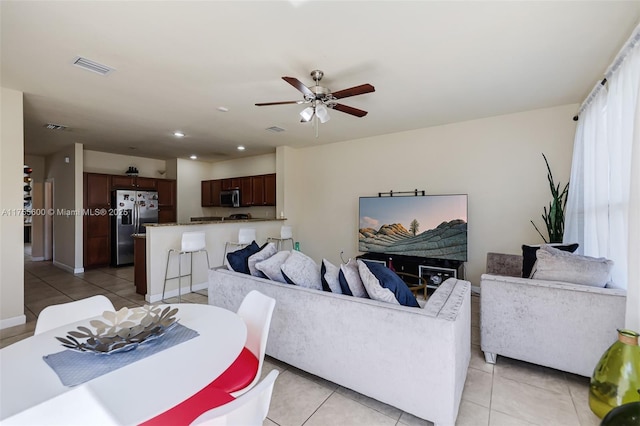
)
(351, 275)
(329, 277)
(302, 271)
(265, 252)
(558, 265)
(271, 266)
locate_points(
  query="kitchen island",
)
(160, 237)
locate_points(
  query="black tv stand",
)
(434, 271)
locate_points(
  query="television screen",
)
(433, 226)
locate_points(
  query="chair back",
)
(256, 311)
(65, 313)
(248, 409)
(246, 235)
(286, 232)
(193, 241)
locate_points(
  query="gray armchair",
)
(559, 325)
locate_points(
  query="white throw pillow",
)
(375, 290)
(266, 252)
(557, 265)
(329, 277)
(302, 271)
(271, 266)
(350, 276)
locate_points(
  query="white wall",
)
(11, 204)
(190, 174)
(116, 164)
(496, 161)
(67, 203)
(248, 166)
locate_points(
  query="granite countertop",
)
(216, 221)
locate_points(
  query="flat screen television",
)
(432, 226)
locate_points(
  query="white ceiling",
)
(177, 62)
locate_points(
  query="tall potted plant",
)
(554, 218)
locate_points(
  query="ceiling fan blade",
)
(298, 85)
(280, 103)
(350, 110)
(353, 91)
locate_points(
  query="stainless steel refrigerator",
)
(133, 209)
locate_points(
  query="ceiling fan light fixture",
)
(307, 113)
(322, 113)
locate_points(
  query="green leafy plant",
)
(554, 218)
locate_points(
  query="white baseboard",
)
(151, 298)
(68, 268)
(37, 259)
(12, 322)
(475, 289)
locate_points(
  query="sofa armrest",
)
(554, 285)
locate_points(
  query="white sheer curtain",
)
(603, 207)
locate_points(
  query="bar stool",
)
(245, 237)
(286, 234)
(192, 242)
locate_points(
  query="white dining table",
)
(32, 393)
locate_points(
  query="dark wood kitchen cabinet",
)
(96, 227)
(166, 200)
(259, 190)
(270, 189)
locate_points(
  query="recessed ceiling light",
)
(194, 157)
(223, 109)
(240, 148)
(178, 134)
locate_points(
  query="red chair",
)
(256, 310)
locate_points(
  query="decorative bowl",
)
(121, 331)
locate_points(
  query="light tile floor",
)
(511, 393)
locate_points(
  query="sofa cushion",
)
(350, 282)
(301, 270)
(329, 277)
(558, 265)
(239, 259)
(271, 266)
(529, 255)
(266, 251)
(385, 285)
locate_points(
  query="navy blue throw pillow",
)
(380, 275)
(343, 284)
(325, 284)
(239, 259)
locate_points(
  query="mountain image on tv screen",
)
(432, 226)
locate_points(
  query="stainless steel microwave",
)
(230, 198)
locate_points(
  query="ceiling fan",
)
(322, 98)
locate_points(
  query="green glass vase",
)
(616, 378)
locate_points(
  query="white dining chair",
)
(191, 243)
(55, 316)
(245, 237)
(250, 409)
(286, 234)
(256, 311)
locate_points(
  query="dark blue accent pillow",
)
(239, 259)
(386, 278)
(325, 285)
(343, 284)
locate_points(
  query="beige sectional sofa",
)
(415, 359)
(555, 324)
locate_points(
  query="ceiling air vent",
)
(91, 65)
(52, 126)
(275, 129)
